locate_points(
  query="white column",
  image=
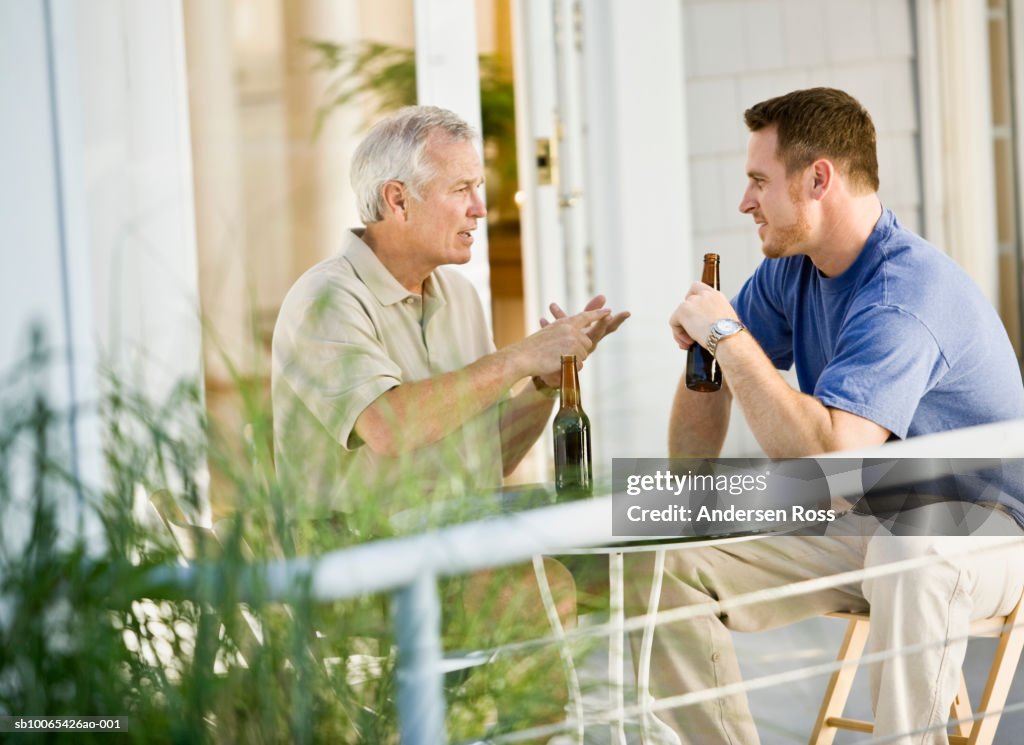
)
(954, 37)
(138, 184)
(97, 200)
(448, 75)
(137, 179)
(46, 278)
(322, 204)
(224, 285)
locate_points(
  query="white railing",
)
(410, 567)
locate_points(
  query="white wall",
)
(639, 216)
(739, 52)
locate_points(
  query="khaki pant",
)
(931, 604)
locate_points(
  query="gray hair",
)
(394, 150)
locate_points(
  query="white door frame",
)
(617, 218)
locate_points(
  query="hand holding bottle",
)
(701, 304)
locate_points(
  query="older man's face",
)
(443, 221)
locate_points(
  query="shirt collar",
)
(371, 271)
(868, 257)
(434, 292)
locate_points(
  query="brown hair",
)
(821, 123)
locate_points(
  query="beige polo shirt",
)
(346, 333)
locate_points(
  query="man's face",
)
(774, 201)
(442, 223)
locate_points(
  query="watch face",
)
(726, 326)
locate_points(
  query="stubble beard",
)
(790, 237)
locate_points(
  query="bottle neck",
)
(710, 275)
(570, 383)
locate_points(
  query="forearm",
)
(699, 422)
(413, 415)
(523, 420)
(786, 422)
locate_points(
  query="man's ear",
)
(823, 174)
(396, 198)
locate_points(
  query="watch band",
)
(715, 336)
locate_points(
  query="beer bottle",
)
(702, 371)
(573, 470)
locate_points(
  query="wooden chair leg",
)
(840, 681)
(960, 711)
(1004, 665)
(981, 731)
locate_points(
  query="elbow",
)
(853, 432)
(807, 446)
(383, 446)
(391, 436)
(381, 436)
(833, 445)
(510, 464)
(815, 446)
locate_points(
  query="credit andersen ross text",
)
(675, 513)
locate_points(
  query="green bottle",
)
(574, 473)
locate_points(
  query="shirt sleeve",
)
(761, 310)
(336, 364)
(886, 360)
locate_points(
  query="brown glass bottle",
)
(574, 473)
(702, 371)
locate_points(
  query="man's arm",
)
(699, 422)
(786, 422)
(523, 419)
(412, 415)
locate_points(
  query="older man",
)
(387, 389)
(386, 382)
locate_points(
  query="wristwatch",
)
(720, 329)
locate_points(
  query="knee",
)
(562, 585)
(512, 594)
(926, 568)
(682, 579)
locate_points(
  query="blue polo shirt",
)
(903, 337)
